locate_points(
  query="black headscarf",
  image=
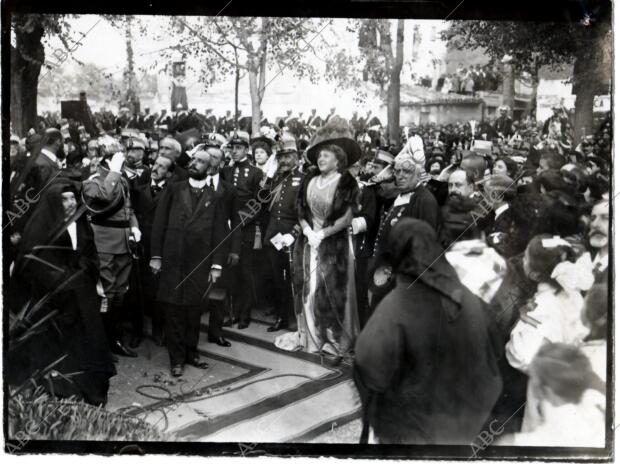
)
(414, 253)
(48, 219)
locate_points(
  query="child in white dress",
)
(554, 314)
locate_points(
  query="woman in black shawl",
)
(425, 362)
(58, 263)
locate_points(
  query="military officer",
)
(280, 196)
(115, 227)
(246, 179)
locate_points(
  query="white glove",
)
(116, 163)
(358, 225)
(313, 240)
(137, 235)
(288, 239)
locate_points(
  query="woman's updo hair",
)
(260, 144)
(544, 259)
(512, 167)
(340, 154)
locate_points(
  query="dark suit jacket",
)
(369, 211)
(42, 172)
(190, 241)
(145, 203)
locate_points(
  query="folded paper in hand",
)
(279, 241)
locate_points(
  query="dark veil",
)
(414, 252)
(47, 221)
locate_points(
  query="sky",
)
(105, 46)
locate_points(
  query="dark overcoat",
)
(191, 241)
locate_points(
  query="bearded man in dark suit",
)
(189, 248)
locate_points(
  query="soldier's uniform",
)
(246, 179)
(282, 193)
(106, 193)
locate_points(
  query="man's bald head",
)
(170, 147)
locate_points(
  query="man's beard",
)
(458, 202)
(196, 175)
(597, 236)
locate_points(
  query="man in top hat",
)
(246, 179)
(280, 197)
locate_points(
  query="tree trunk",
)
(26, 60)
(533, 103)
(253, 78)
(393, 97)
(236, 113)
(508, 91)
(592, 73)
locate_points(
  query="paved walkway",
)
(252, 392)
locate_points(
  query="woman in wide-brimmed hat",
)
(323, 263)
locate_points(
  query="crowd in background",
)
(462, 270)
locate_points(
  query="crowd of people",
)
(462, 270)
(467, 81)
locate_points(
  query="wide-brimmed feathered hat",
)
(335, 132)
